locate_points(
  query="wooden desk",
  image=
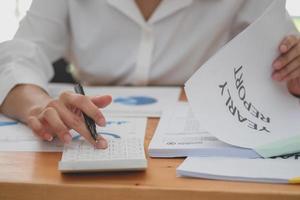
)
(35, 176)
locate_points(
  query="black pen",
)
(89, 122)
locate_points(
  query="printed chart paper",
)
(118, 128)
(180, 134)
(236, 100)
(16, 136)
(241, 169)
(128, 101)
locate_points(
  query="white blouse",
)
(109, 42)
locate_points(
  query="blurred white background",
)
(12, 11)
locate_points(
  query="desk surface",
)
(35, 175)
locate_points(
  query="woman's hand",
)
(287, 65)
(62, 114)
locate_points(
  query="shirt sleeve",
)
(41, 39)
(249, 11)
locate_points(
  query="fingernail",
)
(48, 137)
(283, 48)
(102, 122)
(277, 65)
(67, 138)
(101, 144)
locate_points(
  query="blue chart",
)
(116, 122)
(135, 100)
(77, 137)
(110, 134)
(8, 123)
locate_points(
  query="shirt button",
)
(147, 30)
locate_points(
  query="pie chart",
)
(135, 100)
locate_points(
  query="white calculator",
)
(121, 155)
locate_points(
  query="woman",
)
(122, 42)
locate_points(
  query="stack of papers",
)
(180, 134)
(240, 169)
(128, 101)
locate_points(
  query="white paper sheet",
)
(236, 100)
(180, 134)
(15, 136)
(239, 169)
(129, 101)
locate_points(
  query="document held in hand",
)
(234, 96)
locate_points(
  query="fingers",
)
(90, 107)
(63, 114)
(287, 64)
(101, 142)
(73, 121)
(84, 104)
(82, 129)
(288, 43)
(101, 101)
(290, 70)
(38, 129)
(286, 58)
(293, 75)
(54, 121)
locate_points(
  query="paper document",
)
(236, 100)
(128, 101)
(16, 136)
(116, 128)
(241, 169)
(125, 149)
(180, 134)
